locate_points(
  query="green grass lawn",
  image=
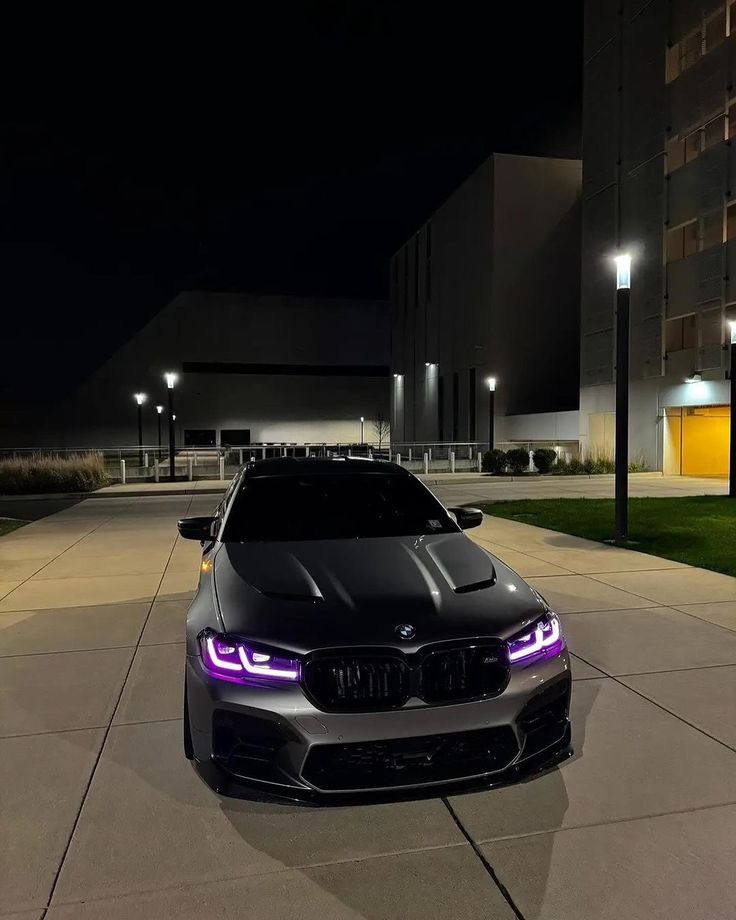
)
(699, 531)
(8, 526)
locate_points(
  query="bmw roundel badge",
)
(405, 631)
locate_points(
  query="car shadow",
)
(536, 806)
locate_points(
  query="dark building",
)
(251, 369)
(489, 287)
(659, 180)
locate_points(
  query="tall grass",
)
(28, 475)
(594, 462)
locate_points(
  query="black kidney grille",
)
(463, 673)
(354, 682)
(358, 682)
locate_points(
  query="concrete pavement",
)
(462, 488)
(102, 816)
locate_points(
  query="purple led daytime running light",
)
(265, 670)
(220, 662)
(536, 642)
(250, 664)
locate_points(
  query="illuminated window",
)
(690, 48)
(714, 131)
(681, 333)
(676, 153)
(731, 221)
(681, 150)
(682, 241)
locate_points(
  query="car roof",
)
(311, 466)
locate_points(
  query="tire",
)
(188, 746)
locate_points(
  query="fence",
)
(149, 463)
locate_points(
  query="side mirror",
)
(196, 528)
(467, 517)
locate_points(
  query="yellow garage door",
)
(705, 441)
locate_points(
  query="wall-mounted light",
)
(623, 270)
(695, 377)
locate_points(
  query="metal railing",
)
(150, 463)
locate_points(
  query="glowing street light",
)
(623, 286)
(362, 420)
(159, 410)
(140, 398)
(491, 384)
(171, 379)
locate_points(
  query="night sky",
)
(291, 151)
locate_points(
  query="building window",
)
(682, 54)
(681, 333)
(682, 241)
(731, 221)
(682, 150)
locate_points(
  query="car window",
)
(324, 507)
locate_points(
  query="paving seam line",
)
(505, 893)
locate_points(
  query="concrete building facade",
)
(659, 181)
(250, 368)
(489, 287)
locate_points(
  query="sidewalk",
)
(105, 817)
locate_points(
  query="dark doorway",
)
(235, 437)
(200, 437)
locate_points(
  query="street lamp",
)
(140, 398)
(159, 410)
(170, 381)
(362, 420)
(491, 381)
(732, 437)
(623, 286)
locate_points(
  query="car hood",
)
(302, 596)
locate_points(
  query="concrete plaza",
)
(101, 815)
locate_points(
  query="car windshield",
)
(324, 507)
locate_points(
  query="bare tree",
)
(381, 428)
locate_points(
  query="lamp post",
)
(491, 381)
(362, 420)
(623, 286)
(170, 381)
(159, 410)
(732, 438)
(140, 398)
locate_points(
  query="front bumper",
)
(275, 738)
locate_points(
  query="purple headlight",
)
(543, 640)
(232, 659)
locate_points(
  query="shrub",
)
(494, 461)
(574, 467)
(37, 473)
(544, 458)
(518, 459)
(639, 465)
